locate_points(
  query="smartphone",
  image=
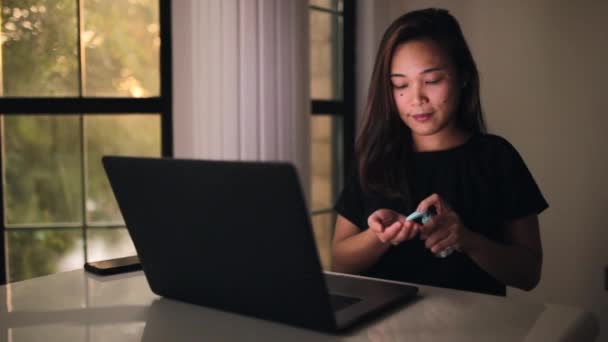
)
(114, 266)
(422, 217)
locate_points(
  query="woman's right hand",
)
(390, 226)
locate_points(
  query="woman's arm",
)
(517, 262)
(353, 250)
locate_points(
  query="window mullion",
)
(83, 178)
(81, 49)
(3, 244)
(323, 9)
(78, 105)
(83, 148)
(336, 53)
(166, 80)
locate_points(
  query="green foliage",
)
(37, 253)
(115, 135)
(113, 66)
(43, 181)
(39, 50)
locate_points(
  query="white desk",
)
(76, 306)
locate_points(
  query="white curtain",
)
(241, 81)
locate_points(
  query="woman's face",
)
(425, 87)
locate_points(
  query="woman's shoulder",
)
(497, 153)
(492, 140)
(493, 144)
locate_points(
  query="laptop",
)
(237, 236)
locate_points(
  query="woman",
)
(423, 146)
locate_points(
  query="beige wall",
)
(544, 71)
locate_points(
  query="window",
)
(79, 79)
(333, 116)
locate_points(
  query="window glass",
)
(121, 42)
(328, 4)
(37, 252)
(135, 135)
(323, 228)
(42, 163)
(106, 243)
(39, 48)
(325, 157)
(325, 55)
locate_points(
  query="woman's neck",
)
(442, 140)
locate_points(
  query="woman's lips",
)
(424, 117)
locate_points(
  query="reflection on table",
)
(76, 306)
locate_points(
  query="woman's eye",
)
(399, 86)
(433, 81)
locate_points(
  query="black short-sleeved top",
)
(484, 180)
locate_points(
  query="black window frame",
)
(345, 107)
(87, 106)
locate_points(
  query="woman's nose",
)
(418, 95)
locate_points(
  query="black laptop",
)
(237, 236)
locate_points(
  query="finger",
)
(394, 226)
(400, 237)
(412, 232)
(428, 228)
(384, 234)
(389, 233)
(375, 223)
(385, 215)
(408, 231)
(412, 229)
(435, 237)
(444, 244)
(404, 234)
(433, 199)
(376, 227)
(380, 235)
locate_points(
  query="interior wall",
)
(543, 72)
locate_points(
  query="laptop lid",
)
(234, 236)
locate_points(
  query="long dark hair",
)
(384, 145)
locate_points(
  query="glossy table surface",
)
(77, 306)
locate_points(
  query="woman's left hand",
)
(445, 231)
